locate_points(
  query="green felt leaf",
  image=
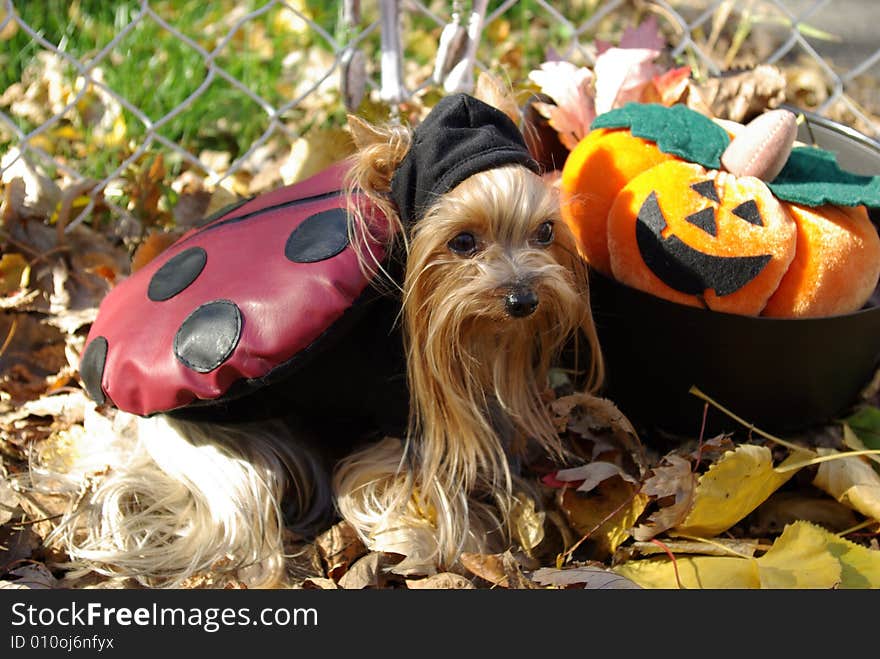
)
(812, 177)
(676, 130)
(866, 425)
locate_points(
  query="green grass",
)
(155, 71)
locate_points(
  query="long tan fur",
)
(477, 376)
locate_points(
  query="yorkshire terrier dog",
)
(409, 424)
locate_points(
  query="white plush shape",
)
(761, 148)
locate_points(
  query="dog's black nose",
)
(521, 301)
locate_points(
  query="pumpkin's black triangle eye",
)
(705, 220)
(706, 189)
(748, 211)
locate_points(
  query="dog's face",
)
(491, 266)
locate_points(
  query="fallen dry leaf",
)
(712, 449)
(148, 178)
(502, 570)
(340, 547)
(221, 200)
(516, 578)
(303, 560)
(592, 578)
(804, 556)
(744, 548)
(315, 152)
(668, 88)
(800, 558)
(490, 89)
(191, 208)
(673, 479)
(527, 523)
(784, 508)
(605, 515)
(859, 566)
(367, 572)
(14, 273)
(571, 89)
(17, 544)
(441, 581)
(156, 242)
(740, 95)
(700, 572)
(319, 583)
(40, 193)
(33, 576)
(622, 74)
(852, 481)
(9, 499)
(599, 421)
(732, 488)
(486, 566)
(219, 576)
(66, 408)
(592, 474)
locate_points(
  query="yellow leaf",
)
(41, 141)
(859, 566)
(486, 566)
(853, 441)
(220, 199)
(805, 547)
(117, 134)
(800, 558)
(695, 572)
(526, 522)
(732, 488)
(804, 556)
(852, 481)
(614, 499)
(315, 152)
(499, 30)
(66, 132)
(292, 20)
(14, 273)
(10, 29)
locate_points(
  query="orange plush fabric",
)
(836, 266)
(700, 237)
(666, 201)
(595, 172)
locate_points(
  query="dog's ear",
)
(364, 134)
(491, 90)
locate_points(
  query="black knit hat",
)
(460, 137)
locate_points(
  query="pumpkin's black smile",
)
(684, 268)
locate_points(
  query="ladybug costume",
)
(243, 302)
(265, 311)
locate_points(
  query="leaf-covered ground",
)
(639, 508)
(735, 510)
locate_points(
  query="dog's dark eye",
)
(544, 234)
(464, 244)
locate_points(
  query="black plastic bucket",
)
(782, 375)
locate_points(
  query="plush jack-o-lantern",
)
(664, 201)
(704, 237)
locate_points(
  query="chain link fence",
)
(263, 75)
